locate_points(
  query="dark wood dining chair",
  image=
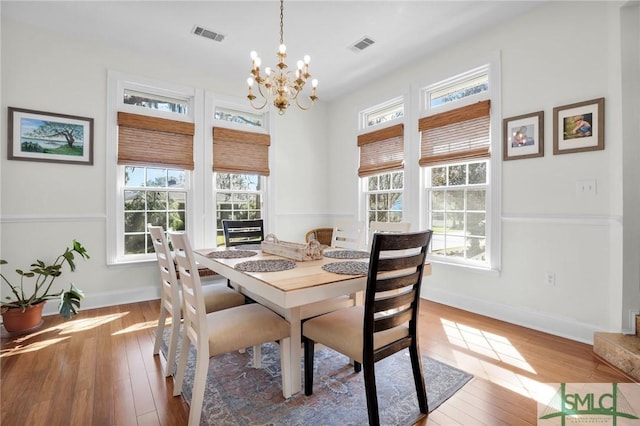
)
(386, 324)
(238, 232)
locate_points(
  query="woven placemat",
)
(347, 254)
(231, 254)
(266, 265)
(347, 268)
(256, 246)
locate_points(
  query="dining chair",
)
(238, 232)
(348, 234)
(222, 331)
(387, 228)
(386, 324)
(323, 235)
(216, 296)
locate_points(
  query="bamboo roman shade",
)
(381, 151)
(236, 151)
(152, 141)
(457, 135)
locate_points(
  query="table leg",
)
(295, 371)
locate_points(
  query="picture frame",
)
(523, 136)
(49, 137)
(578, 127)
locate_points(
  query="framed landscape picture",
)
(578, 127)
(50, 137)
(523, 136)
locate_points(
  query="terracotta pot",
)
(16, 321)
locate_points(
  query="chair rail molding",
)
(30, 218)
(565, 219)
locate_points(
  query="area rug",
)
(237, 394)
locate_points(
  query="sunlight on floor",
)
(22, 344)
(484, 343)
(139, 326)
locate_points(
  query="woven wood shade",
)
(458, 135)
(235, 151)
(151, 141)
(381, 151)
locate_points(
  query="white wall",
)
(549, 58)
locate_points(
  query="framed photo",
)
(523, 136)
(50, 137)
(578, 127)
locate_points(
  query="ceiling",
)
(325, 30)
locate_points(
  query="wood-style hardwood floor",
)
(98, 369)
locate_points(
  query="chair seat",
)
(219, 296)
(244, 326)
(342, 331)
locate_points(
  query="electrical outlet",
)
(550, 278)
(586, 187)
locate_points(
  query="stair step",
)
(620, 350)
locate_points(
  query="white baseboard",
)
(101, 300)
(525, 317)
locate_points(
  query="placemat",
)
(266, 265)
(256, 246)
(347, 268)
(231, 254)
(347, 254)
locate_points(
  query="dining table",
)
(294, 289)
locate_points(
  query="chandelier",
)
(280, 85)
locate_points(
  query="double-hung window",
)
(240, 165)
(151, 180)
(382, 162)
(455, 154)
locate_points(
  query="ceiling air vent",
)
(362, 44)
(203, 32)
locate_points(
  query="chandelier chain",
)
(281, 21)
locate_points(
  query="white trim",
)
(525, 317)
(30, 218)
(595, 220)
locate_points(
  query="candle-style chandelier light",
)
(280, 85)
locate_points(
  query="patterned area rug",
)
(237, 394)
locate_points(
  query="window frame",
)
(363, 128)
(493, 230)
(117, 82)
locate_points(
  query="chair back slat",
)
(348, 234)
(168, 279)
(238, 232)
(394, 301)
(393, 320)
(193, 301)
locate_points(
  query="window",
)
(150, 181)
(241, 167)
(455, 153)
(474, 82)
(155, 196)
(381, 167)
(238, 197)
(457, 210)
(383, 196)
(241, 117)
(383, 113)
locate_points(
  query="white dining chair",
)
(386, 228)
(348, 234)
(217, 296)
(221, 331)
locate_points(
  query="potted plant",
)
(22, 311)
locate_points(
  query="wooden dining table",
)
(304, 291)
